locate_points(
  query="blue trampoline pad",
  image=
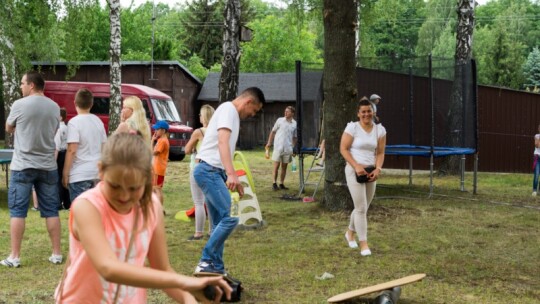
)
(425, 151)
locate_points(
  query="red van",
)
(158, 106)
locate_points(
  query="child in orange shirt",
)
(161, 152)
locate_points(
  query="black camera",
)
(236, 285)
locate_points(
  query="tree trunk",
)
(228, 82)
(10, 80)
(465, 27)
(340, 94)
(116, 66)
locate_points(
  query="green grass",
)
(474, 248)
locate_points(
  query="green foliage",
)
(86, 31)
(276, 45)
(195, 65)
(203, 24)
(393, 28)
(531, 69)
(440, 21)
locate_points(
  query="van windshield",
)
(165, 110)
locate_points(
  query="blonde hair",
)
(130, 151)
(137, 120)
(206, 114)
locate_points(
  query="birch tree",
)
(228, 82)
(340, 94)
(462, 57)
(115, 65)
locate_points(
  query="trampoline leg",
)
(410, 170)
(462, 165)
(475, 180)
(431, 176)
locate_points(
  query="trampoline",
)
(435, 116)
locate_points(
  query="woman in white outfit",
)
(196, 193)
(362, 145)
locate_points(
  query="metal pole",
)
(432, 126)
(411, 122)
(299, 120)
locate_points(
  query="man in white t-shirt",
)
(215, 173)
(284, 137)
(85, 136)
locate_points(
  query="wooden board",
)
(379, 287)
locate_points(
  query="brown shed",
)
(170, 77)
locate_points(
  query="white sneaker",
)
(534, 193)
(365, 252)
(352, 244)
(9, 262)
(56, 259)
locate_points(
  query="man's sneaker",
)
(55, 259)
(282, 187)
(205, 267)
(9, 262)
(534, 193)
(275, 187)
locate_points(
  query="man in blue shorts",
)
(33, 120)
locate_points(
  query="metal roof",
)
(277, 87)
(106, 63)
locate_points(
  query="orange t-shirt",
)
(160, 160)
(83, 284)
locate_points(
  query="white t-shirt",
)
(285, 132)
(60, 139)
(88, 132)
(537, 150)
(226, 116)
(364, 144)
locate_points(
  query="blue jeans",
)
(20, 189)
(536, 172)
(218, 201)
(76, 188)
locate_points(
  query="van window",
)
(101, 106)
(165, 110)
(146, 109)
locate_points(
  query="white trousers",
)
(362, 195)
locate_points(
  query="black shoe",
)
(195, 238)
(282, 187)
(275, 187)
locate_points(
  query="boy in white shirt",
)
(85, 136)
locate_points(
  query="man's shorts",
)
(20, 191)
(281, 157)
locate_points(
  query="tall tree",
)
(203, 25)
(531, 70)
(115, 65)
(439, 15)
(340, 93)
(228, 82)
(276, 45)
(462, 57)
